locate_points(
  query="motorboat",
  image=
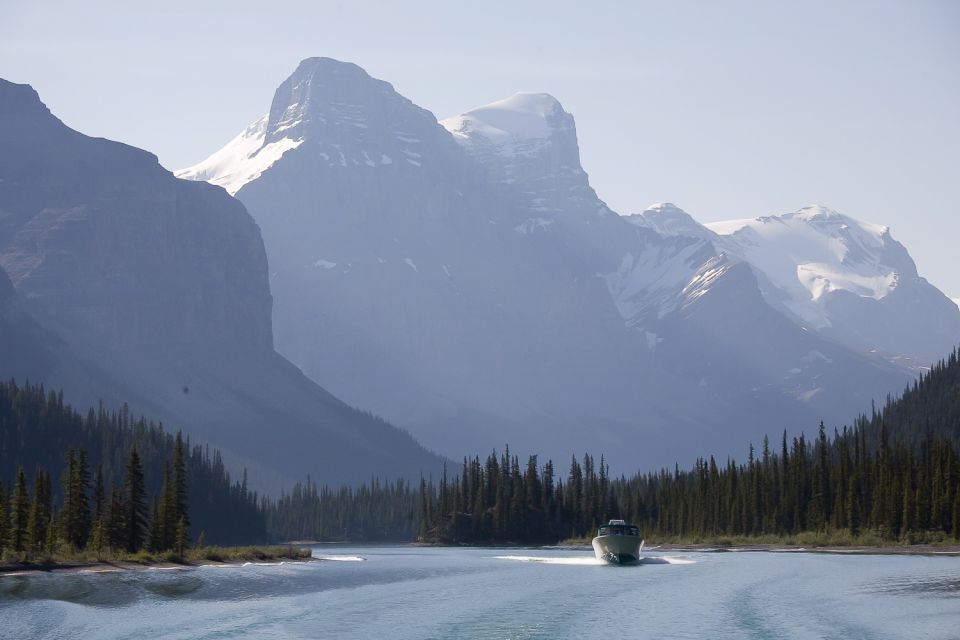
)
(618, 542)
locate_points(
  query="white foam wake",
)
(666, 560)
(342, 558)
(588, 561)
(580, 560)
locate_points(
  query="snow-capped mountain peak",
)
(832, 271)
(526, 137)
(816, 251)
(343, 115)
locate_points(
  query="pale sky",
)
(728, 109)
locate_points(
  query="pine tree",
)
(68, 518)
(180, 481)
(99, 495)
(50, 541)
(19, 512)
(136, 503)
(98, 538)
(166, 511)
(182, 538)
(4, 521)
(38, 517)
(76, 507)
(155, 541)
(116, 521)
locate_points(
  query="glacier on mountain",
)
(812, 252)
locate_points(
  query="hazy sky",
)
(728, 109)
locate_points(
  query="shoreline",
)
(863, 550)
(206, 557)
(116, 566)
(704, 547)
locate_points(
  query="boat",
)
(618, 542)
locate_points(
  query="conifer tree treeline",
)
(374, 512)
(860, 479)
(830, 484)
(895, 474)
(39, 433)
(931, 404)
(40, 530)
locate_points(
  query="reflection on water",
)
(944, 584)
(406, 592)
(177, 586)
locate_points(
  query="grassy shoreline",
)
(196, 557)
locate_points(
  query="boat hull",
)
(617, 549)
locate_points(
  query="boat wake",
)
(342, 558)
(581, 560)
(587, 561)
(667, 560)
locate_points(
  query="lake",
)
(379, 592)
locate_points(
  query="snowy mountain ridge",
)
(815, 251)
(475, 289)
(848, 279)
(668, 219)
(529, 141)
(345, 130)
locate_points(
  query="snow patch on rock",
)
(243, 159)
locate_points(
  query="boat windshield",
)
(618, 530)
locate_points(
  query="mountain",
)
(669, 220)
(850, 281)
(405, 281)
(130, 285)
(463, 279)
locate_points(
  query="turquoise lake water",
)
(413, 592)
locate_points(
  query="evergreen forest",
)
(893, 477)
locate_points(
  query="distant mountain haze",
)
(463, 279)
(129, 285)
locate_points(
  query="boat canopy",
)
(618, 528)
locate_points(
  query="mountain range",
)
(121, 284)
(461, 278)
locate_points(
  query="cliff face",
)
(146, 289)
(102, 243)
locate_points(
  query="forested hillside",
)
(930, 405)
(38, 432)
(895, 475)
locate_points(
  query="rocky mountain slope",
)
(154, 291)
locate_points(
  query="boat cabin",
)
(618, 528)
